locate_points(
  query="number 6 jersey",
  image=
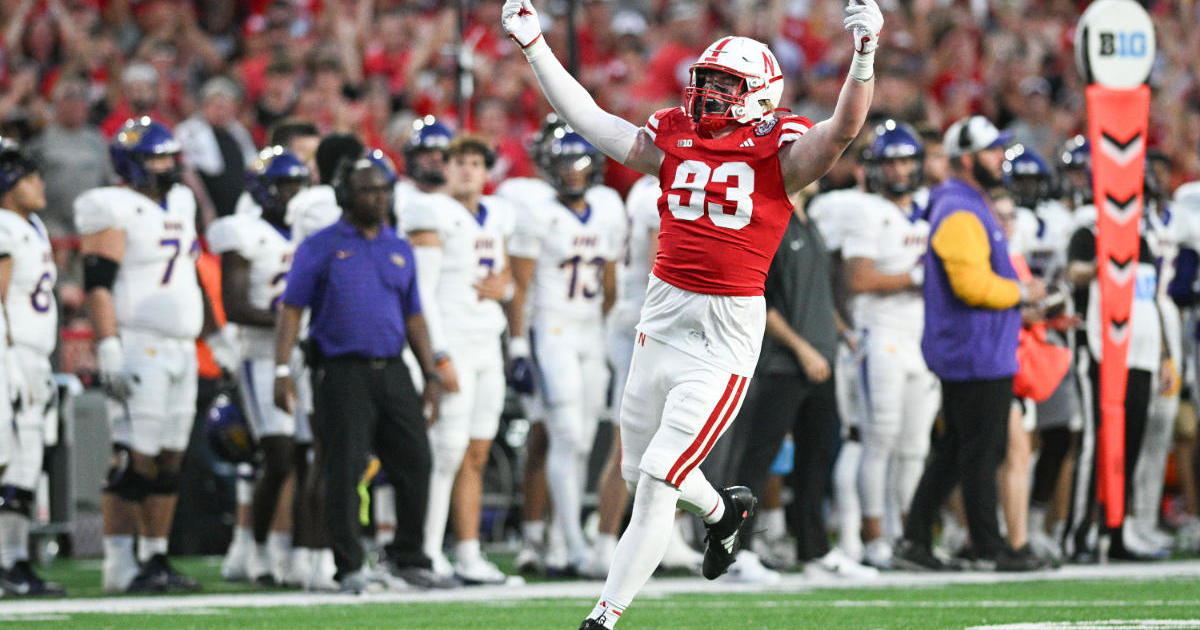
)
(32, 313)
(155, 290)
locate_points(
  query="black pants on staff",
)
(775, 405)
(1081, 516)
(365, 406)
(969, 450)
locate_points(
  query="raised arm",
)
(812, 154)
(618, 138)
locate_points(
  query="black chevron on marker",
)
(1122, 204)
(1121, 145)
(1121, 265)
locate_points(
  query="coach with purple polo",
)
(970, 342)
(358, 279)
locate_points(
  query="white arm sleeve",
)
(429, 266)
(611, 134)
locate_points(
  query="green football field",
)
(1163, 595)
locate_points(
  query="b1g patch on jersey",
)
(763, 128)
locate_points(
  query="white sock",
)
(14, 538)
(534, 532)
(773, 523)
(908, 470)
(698, 496)
(1037, 519)
(845, 496)
(242, 535)
(383, 506)
(279, 543)
(467, 551)
(564, 481)
(120, 565)
(437, 511)
(640, 549)
(604, 546)
(148, 547)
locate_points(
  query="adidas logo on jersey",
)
(746, 144)
(684, 144)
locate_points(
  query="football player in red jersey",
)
(727, 160)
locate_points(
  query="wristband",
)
(862, 66)
(538, 48)
(518, 347)
(282, 371)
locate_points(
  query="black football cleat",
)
(721, 542)
(160, 568)
(591, 624)
(21, 580)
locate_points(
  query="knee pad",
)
(166, 483)
(122, 480)
(16, 500)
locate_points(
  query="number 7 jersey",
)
(156, 289)
(724, 207)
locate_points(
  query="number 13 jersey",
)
(156, 289)
(724, 210)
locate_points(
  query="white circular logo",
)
(1114, 44)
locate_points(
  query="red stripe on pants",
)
(703, 435)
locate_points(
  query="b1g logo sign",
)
(1114, 44)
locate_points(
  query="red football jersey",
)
(723, 204)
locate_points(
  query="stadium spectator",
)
(970, 343)
(217, 145)
(72, 156)
(139, 96)
(359, 280)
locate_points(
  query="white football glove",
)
(520, 21)
(224, 348)
(865, 21)
(110, 359)
(20, 395)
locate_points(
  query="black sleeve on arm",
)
(1083, 246)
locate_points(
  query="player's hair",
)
(283, 132)
(467, 144)
(332, 150)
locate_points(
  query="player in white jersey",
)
(564, 254)
(27, 278)
(463, 275)
(833, 211)
(1167, 230)
(424, 164)
(522, 192)
(139, 246)
(256, 253)
(883, 251)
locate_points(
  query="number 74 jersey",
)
(724, 207)
(155, 290)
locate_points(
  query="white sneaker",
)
(597, 565)
(529, 560)
(748, 569)
(1188, 534)
(1135, 544)
(1044, 546)
(838, 564)
(441, 565)
(233, 567)
(320, 579)
(777, 553)
(679, 555)
(878, 554)
(300, 567)
(1147, 529)
(118, 573)
(479, 571)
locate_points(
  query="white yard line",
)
(657, 588)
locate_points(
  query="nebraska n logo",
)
(1121, 152)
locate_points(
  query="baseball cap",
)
(973, 134)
